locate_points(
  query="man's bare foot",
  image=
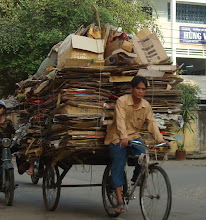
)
(119, 208)
(29, 172)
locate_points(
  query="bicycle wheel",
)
(51, 190)
(108, 194)
(155, 195)
(34, 177)
(9, 187)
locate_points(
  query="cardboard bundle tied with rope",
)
(66, 114)
(68, 108)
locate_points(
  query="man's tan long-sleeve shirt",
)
(128, 121)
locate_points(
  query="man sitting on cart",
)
(131, 111)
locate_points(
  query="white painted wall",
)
(165, 27)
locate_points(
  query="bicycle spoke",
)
(51, 191)
(155, 195)
(108, 194)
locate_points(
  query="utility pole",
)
(173, 30)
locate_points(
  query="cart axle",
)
(81, 185)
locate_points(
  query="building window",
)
(186, 13)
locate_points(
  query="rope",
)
(152, 90)
(84, 169)
(100, 86)
(40, 141)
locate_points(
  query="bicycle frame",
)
(143, 171)
(6, 163)
(143, 160)
(151, 175)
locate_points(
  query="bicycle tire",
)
(51, 190)
(34, 177)
(152, 189)
(108, 194)
(9, 187)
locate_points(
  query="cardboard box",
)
(128, 46)
(148, 48)
(81, 51)
(119, 46)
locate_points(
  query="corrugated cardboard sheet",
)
(148, 48)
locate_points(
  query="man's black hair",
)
(2, 106)
(138, 79)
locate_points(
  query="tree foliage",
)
(30, 28)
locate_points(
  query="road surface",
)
(188, 180)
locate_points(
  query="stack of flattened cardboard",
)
(69, 108)
(64, 112)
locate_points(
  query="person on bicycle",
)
(6, 126)
(131, 112)
(6, 129)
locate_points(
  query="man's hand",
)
(124, 142)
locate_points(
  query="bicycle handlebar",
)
(149, 146)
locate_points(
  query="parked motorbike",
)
(38, 171)
(7, 184)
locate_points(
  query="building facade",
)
(183, 25)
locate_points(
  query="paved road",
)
(188, 184)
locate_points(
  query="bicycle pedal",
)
(133, 197)
(126, 205)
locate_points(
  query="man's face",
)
(139, 91)
(2, 109)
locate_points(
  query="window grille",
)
(186, 13)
